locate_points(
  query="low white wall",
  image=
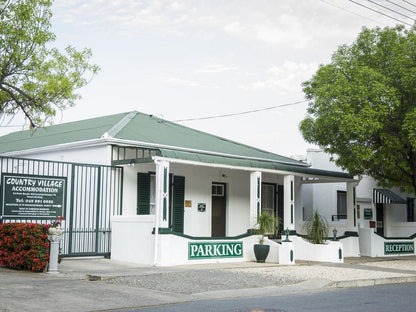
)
(328, 252)
(351, 246)
(174, 250)
(132, 239)
(373, 245)
(402, 229)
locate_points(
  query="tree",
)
(34, 78)
(362, 107)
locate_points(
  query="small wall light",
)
(334, 231)
(287, 235)
(131, 163)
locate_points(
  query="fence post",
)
(97, 221)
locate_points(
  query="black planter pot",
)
(261, 252)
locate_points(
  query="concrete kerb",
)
(372, 282)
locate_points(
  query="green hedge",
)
(24, 246)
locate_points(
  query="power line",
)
(386, 15)
(409, 3)
(400, 6)
(351, 12)
(242, 113)
(391, 10)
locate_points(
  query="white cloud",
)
(285, 79)
(217, 68)
(176, 80)
(234, 28)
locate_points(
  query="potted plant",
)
(55, 226)
(316, 229)
(266, 224)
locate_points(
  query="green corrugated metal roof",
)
(58, 134)
(173, 141)
(135, 127)
(249, 163)
(143, 128)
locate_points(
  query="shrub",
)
(316, 228)
(267, 224)
(24, 246)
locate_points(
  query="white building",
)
(169, 194)
(385, 217)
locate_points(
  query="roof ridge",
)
(120, 125)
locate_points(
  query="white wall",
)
(322, 196)
(99, 154)
(328, 252)
(132, 239)
(372, 245)
(198, 188)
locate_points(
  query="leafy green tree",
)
(36, 79)
(362, 107)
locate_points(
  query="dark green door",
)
(178, 204)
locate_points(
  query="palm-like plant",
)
(316, 228)
(266, 223)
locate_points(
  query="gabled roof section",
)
(162, 133)
(137, 129)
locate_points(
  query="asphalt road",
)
(396, 297)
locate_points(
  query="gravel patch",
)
(199, 281)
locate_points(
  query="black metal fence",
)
(93, 194)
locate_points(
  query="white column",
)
(162, 194)
(351, 210)
(255, 197)
(54, 252)
(289, 202)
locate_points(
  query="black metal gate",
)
(93, 195)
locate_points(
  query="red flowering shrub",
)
(24, 246)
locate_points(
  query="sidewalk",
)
(103, 284)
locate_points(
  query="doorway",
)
(218, 209)
(380, 219)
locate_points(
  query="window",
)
(341, 205)
(410, 209)
(217, 190)
(146, 198)
(268, 198)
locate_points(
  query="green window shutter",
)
(143, 193)
(178, 203)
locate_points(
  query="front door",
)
(380, 219)
(218, 210)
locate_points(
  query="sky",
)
(189, 59)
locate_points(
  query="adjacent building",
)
(385, 217)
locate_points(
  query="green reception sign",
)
(215, 250)
(32, 196)
(368, 214)
(391, 248)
